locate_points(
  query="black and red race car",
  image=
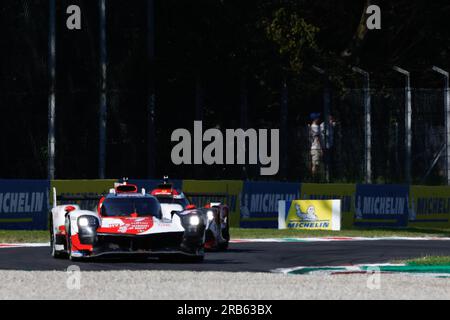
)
(217, 214)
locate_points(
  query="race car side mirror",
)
(191, 206)
(174, 212)
(69, 209)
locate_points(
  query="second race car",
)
(217, 214)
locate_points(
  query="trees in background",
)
(221, 48)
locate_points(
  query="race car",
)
(217, 214)
(127, 222)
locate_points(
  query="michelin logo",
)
(310, 214)
(308, 219)
(380, 206)
(262, 203)
(21, 202)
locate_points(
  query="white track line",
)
(268, 240)
(330, 239)
(23, 245)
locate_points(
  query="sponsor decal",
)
(126, 225)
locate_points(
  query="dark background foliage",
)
(219, 54)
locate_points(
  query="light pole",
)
(367, 125)
(447, 118)
(326, 116)
(151, 148)
(51, 94)
(284, 127)
(408, 117)
(103, 105)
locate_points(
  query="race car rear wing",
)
(89, 197)
(74, 197)
(202, 198)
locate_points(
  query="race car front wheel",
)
(69, 246)
(226, 236)
(55, 254)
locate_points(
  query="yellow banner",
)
(309, 214)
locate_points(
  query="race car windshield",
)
(123, 207)
(183, 201)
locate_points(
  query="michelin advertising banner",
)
(24, 204)
(259, 202)
(381, 206)
(429, 207)
(309, 214)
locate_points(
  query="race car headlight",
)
(83, 222)
(87, 229)
(210, 215)
(87, 221)
(194, 220)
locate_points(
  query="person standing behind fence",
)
(315, 135)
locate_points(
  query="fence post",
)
(408, 117)
(367, 125)
(103, 107)
(51, 94)
(447, 119)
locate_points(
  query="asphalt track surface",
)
(243, 257)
